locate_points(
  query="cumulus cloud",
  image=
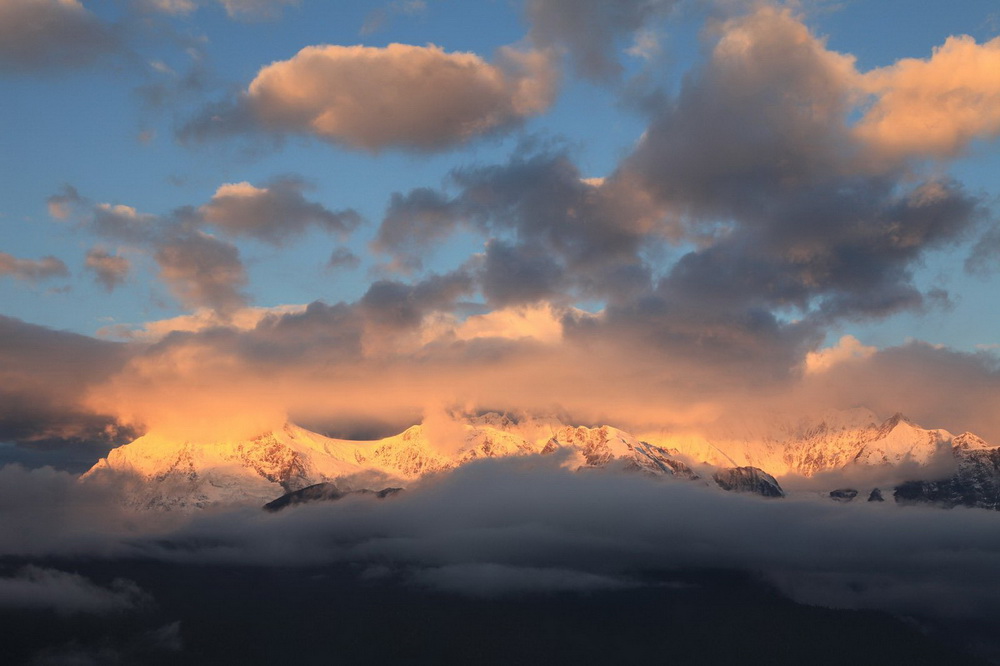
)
(547, 228)
(201, 271)
(591, 31)
(798, 212)
(40, 35)
(411, 97)
(272, 213)
(935, 106)
(32, 269)
(110, 270)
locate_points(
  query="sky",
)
(217, 215)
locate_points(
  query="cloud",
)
(985, 254)
(379, 17)
(398, 306)
(591, 30)
(272, 213)
(43, 375)
(32, 269)
(255, 10)
(173, 7)
(200, 320)
(109, 270)
(547, 228)
(400, 96)
(515, 526)
(846, 349)
(202, 271)
(797, 213)
(541, 322)
(519, 274)
(937, 106)
(343, 258)
(39, 588)
(61, 205)
(45, 35)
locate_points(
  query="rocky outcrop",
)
(843, 494)
(748, 480)
(324, 492)
(975, 483)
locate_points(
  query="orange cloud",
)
(938, 105)
(409, 96)
(847, 348)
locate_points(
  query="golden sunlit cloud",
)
(848, 348)
(935, 106)
(411, 96)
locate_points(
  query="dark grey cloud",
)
(591, 31)
(44, 376)
(513, 274)
(400, 305)
(788, 207)
(415, 221)
(508, 526)
(45, 35)
(343, 258)
(32, 269)
(536, 206)
(110, 270)
(273, 213)
(202, 271)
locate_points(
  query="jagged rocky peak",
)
(498, 420)
(748, 480)
(875, 495)
(969, 442)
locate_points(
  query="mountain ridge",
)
(167, 474)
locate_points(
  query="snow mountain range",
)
(162, 473)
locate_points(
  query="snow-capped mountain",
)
(974, 483)
(809, 445)
(161, 473)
